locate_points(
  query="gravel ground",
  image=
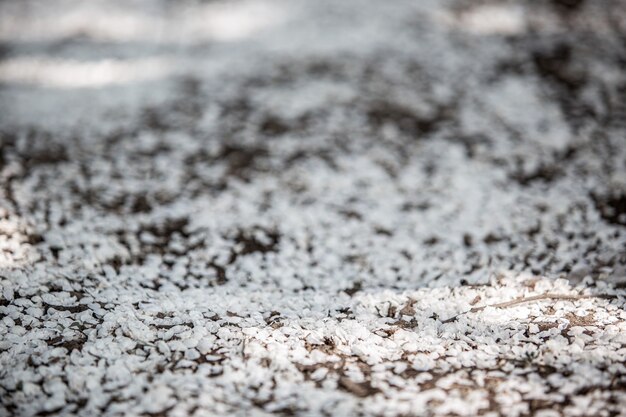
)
(313, 208)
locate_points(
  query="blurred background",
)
(434, 126)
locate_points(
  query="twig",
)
(521, 300)
(547, 296)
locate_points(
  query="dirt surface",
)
(313, 208)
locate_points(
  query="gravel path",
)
(313, 208)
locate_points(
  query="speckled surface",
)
(301, 208)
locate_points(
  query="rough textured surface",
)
(298, 208)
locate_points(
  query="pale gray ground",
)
(290, 208)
